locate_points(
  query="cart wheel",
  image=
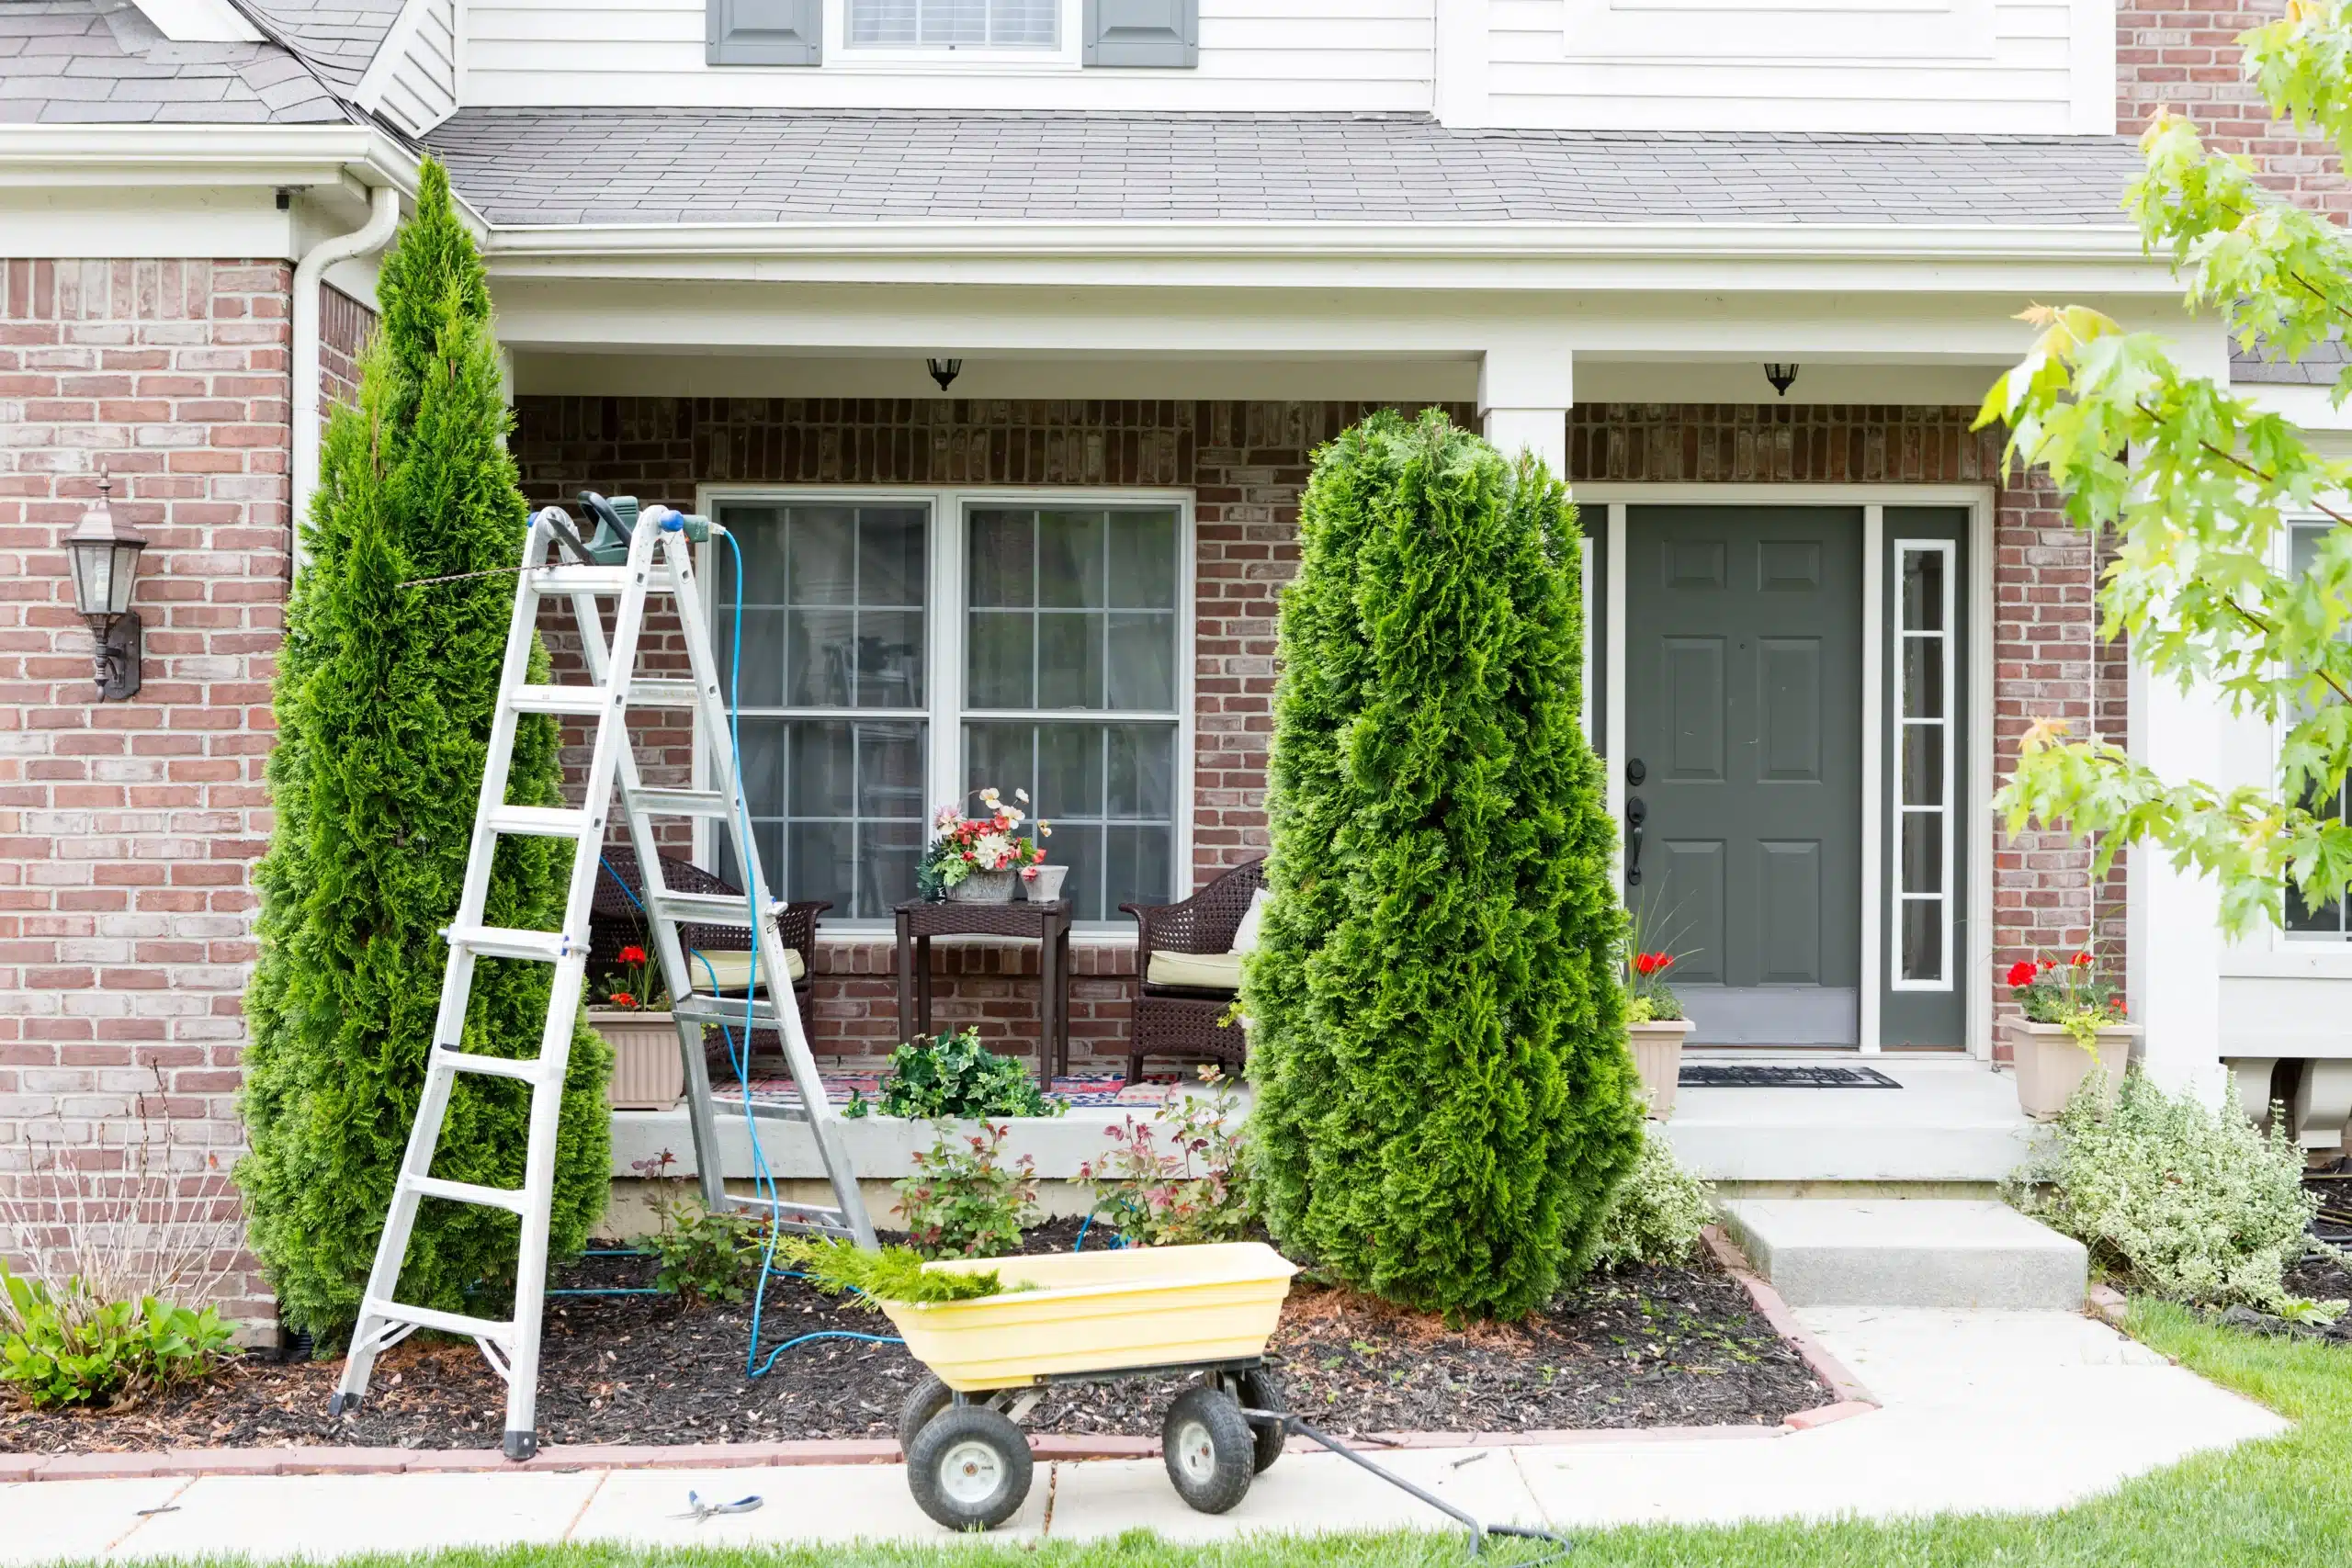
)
(1259, 1389)
(1209, 1450)
(969, 1468)
(930, 1397)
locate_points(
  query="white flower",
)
(943, 817)
(1022, 795)
(991, 851)
(989, 796)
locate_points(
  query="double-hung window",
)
(902, 649)
(955, 23)
(2328, 920)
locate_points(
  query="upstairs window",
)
(955, 23)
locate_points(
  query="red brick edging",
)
(1853, 1399)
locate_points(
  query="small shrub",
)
(954, 1075)
(1175, 1180)
(702, 1254)
(68, 1347)
(1657, 1212)
(886, 1274)
(2176, 1197)
(962, 1202)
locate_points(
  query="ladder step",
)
(542, 821)
(560, 699)
(512, 1200)
(504, 941)
(447, 1322)
(779, 1110)
(697, 1008)
(605, 580)
(662, 694)
(704, 909)
(794, 1216)
(527, 1069)
(681, 803)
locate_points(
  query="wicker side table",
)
(1048, 924)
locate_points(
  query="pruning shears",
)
(698, 1510)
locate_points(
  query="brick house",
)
(1170, 253)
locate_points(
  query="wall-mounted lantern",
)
(105, 560)
(1783, 377)
(945, 371)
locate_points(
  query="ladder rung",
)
(541, 821)
(505, 941)
(527, 1069)
(806, 1216)
(606, 580)
(512, 1200)
(779, 1110)
(447, 1322)
(662, 694)
(696, 1008)
(562, 699)
(681, 803)
(704, 909)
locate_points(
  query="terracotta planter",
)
(2050, 1064)
(1657, 1056)
(985, 887)
(648, 1073)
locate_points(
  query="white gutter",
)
(310, 276)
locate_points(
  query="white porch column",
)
(1524, 393)
(2175, 919)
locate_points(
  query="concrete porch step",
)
(1907, 1253)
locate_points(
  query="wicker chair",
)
(616, 920)
(1182, 1020)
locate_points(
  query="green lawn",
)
(2279, 1504)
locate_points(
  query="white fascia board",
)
(2307, 408)
(199, 21)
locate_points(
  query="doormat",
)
(1743, 1075)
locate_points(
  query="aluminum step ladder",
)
(630, 559)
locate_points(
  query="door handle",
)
(1635, 815)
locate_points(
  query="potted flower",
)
(2072, 1024)
(974, 859)
(632, 1014)
(1654, 1027)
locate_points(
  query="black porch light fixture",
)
(944, 371)
(1783, 377)
(105, 561)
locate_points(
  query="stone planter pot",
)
(648, 1073)
(2050, 1064)
(985, 887)
(1657, 1056)
(1045, 887)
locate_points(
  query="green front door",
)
(1743, 767)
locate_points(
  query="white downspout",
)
(310, 276)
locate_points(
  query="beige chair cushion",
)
(1245, 935)
(734, 969)
(1203, 971)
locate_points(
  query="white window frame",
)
(1065, 55)
(1899, 722)
(944, 712)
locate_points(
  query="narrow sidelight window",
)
(1924, 819)
(2328, 920)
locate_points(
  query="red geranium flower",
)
(1652, 962)
(632, 954)
(2081, 960)
(2021, 974)
(623, 999)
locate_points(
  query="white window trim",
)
(996, 59)
(944, 712)
(1898, 722)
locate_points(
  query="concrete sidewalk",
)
(1984, 1411)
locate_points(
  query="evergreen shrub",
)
(1445, 1099)
(384, 695)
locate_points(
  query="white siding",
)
(414, 80)
(1921, 65)
(1290, 54)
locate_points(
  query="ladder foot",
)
(342, 1403)
(522, 1445)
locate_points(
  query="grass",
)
(2276, 1504)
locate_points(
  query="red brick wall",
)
(1246, 463)
(343, 327)
(2045, 655)
(2186, 57)
(128, 829)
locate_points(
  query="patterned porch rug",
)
(1076, 1090)
(1759, 1075)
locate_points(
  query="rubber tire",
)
(1259, 1389)
(930, 1397)
(1210, 1453)
(956, 1427)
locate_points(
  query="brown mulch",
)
(1647, 1347)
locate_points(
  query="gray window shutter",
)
(765, 32)
(1143, 32)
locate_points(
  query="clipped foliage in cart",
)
(1446, 1098)
(384, 699)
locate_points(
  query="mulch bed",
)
(1649, 1348)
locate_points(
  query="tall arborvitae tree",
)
(384, 699)
(1445, 1097)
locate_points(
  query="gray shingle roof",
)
(2319, 368)
(559, 166)
(337, 37)
(76, 63)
